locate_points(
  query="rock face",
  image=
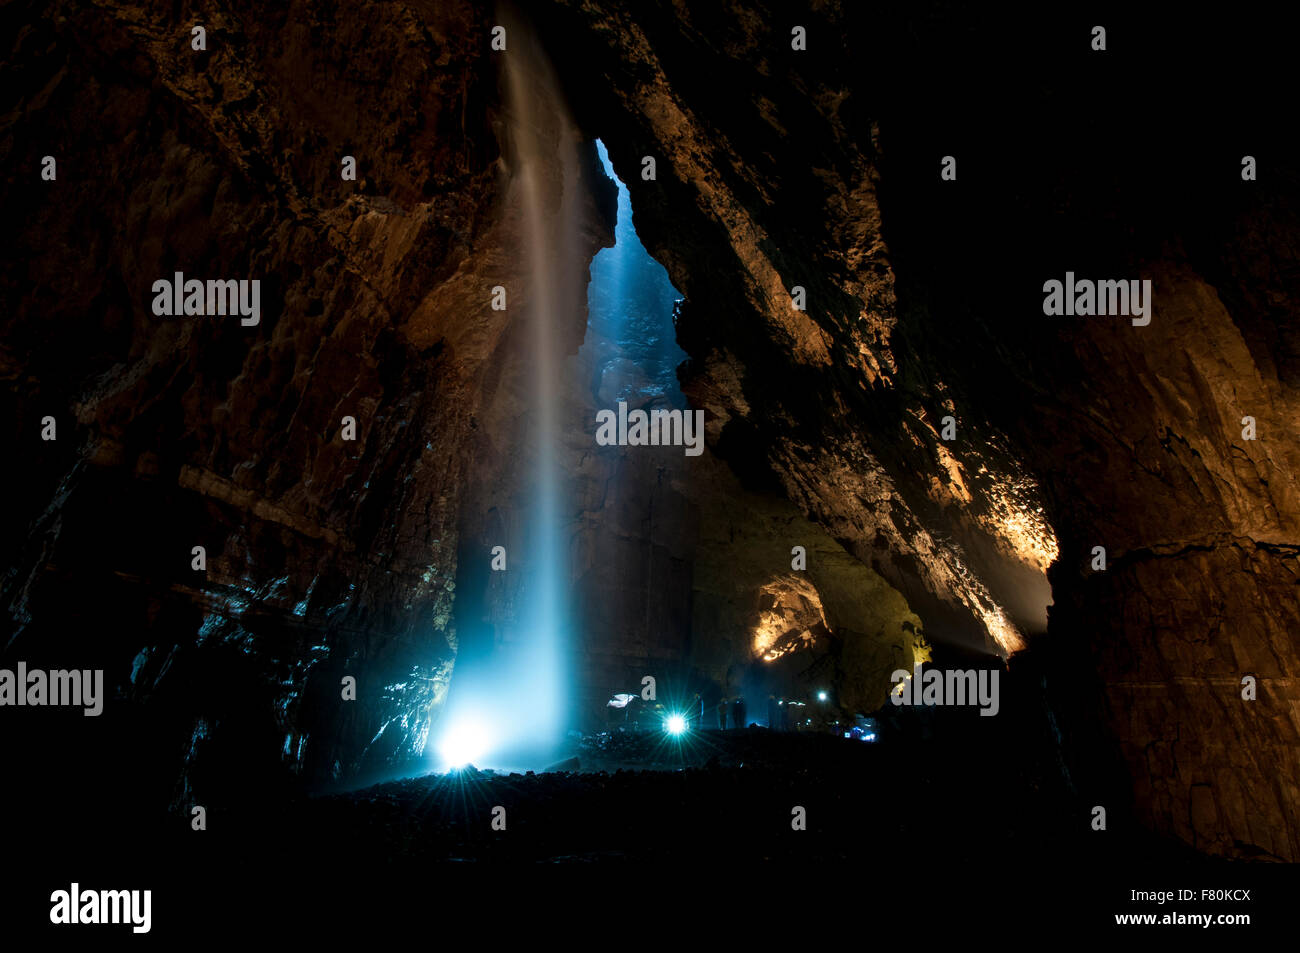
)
(948, 456)
(677, 567)
(781, 194)
(781, 168)
(325, 557)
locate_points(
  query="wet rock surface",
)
(324, 557)
(327, 558)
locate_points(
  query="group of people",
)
(731, 713)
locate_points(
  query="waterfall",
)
(509, 707)
(535, 107)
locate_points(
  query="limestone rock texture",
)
(325, 558)
(948, 456)
(821, 169)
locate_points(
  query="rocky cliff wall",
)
(822, 168)
(776, 168)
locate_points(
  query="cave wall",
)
(776, 168)
(325, 557)
(769, 176)
(769, 621)
(676, 566)
(779, 168)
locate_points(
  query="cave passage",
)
(630, 302)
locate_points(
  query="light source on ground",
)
(675, 724)
(462, 744)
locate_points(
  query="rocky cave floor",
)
(728, 796)
(944, 816)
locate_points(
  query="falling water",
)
(551, 300)
(508, 708)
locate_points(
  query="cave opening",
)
(635, 542)
(630, 303)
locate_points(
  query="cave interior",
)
(399, 553)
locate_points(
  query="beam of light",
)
(675, 725)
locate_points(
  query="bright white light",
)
(821, 696)
(462, 744)
(674, 724)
